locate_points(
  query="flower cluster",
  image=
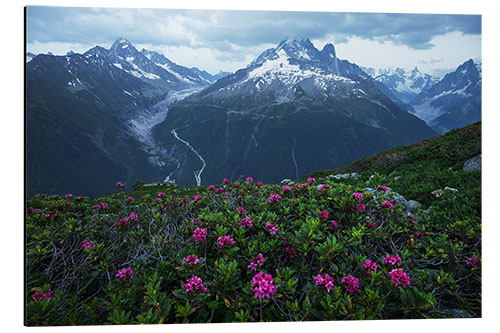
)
(133, 216)
(333, 224)
(246, 222)
(102, 205)
(472, 261)
(382, 188)
(311, 180)
(352, 284)
(399, 277)
(123, 222)
(225, 240)
(197, 197)
(249, 179)
(68, 196)
(324, 280)
(124, 273)
(324, 214)
(370, 266)
(161, 195)
(257, 261)
(274, 197)
(200, 235)
(361, 207)
(263, 284)
(38, 295)
(324, 187)
(272, 228)
(211, 188)
(286, 188)
(358, 195)
(130, 198)
(194, 283)
(242, 210)
(387, 204)
(191, 260)
(393, 260)
(225, 181)
(86, 244)
(120, 185)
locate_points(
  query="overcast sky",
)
(228, 40)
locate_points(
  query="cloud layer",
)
(236, 36)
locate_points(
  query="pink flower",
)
(38, 295)
(241, 210)
(157, 200)
(260, 184)
(324, 187)
(200, 235)
(69, 195)
(124, 273)
(290, 249)
(123, 222)
(225, 240)
(272, 228)
(263, 284)
(358, 195)
(399, 277)
(361, 207)
(130, 198)
(197, 197)
(191, 260)
(393, 260)
(324, 214)
(225, 181)
(370, 266)
(133, 216)
(352, 284)
(472, 261)
(311, 180)
(195, 220)
(304, 185)
(333, 224)
(410, 220)
(324, 280)
(382, 187)
(49, 217)
(120, 185)
(219, 189)
(286, 188)
(86, 244)
(249, 179)
(274, 197)
(194, 283)
(246, 222)
(211, 188)
(257, 261)
(387, 204)
(236, 185)
(161, 195)
(371, 225)
(185, 200)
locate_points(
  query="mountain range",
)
(121, 114)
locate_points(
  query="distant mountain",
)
(89, 117)
(29, 56)
(404, 84)
(453, 102)
(292, 110)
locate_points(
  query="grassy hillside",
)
(319, 248)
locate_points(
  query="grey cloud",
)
(222, 30)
